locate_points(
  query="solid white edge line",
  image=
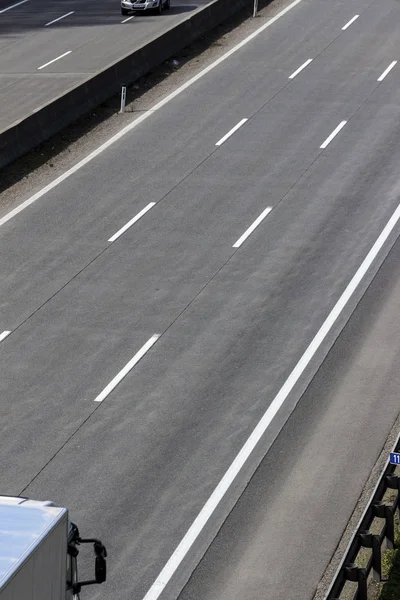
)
(59, 18)
(132, 221)
(4, 335)
(128, 19)
(231, 132)
(350, 22)
(54, 60)
(219, 492)
(13, 6)
(386, 71)
(333, 134)
(128, 367)
(252, 227)
(144, 116)
(303, 66)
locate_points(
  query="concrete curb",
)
(49, 119)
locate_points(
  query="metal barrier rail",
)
(363, 538)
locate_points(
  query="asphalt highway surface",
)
(165, 308)
(46, 47)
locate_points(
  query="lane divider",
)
(350, 22)
(231, 132)
(333, 134)
(303, 66)
(54, 60)
(132, 221)
(59, 18)
(13, 6)
(252, 227)
(128, 367)
(386, 71)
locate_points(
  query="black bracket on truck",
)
(100, 552)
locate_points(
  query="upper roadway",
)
(233, 318)
(81, 37)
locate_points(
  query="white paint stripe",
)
(54, 60)
(59, 18)
(303, 66)
(252, 227)
(128, 367)
(144, 116)
(131, 222)
(333, 134)
(4, 335)
(231, 132)
(350, 22)
(386, 71)
(13, 6)
(128, 19)
(262, 426)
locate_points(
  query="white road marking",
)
(350, 22)
(59, 18)
(128, 367)
(303, 66)
(386, 71)
(333, 134)
(54, 60)
(231, 132)
(13, 6)
(4, 335)
(128, 19)
(219, 492)
(252, 227)
(144, 116)
(132, 221)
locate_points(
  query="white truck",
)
(38, 552)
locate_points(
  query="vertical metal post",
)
(123, 99)
(255, 8)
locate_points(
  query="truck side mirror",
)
(100, 567)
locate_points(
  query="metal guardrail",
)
(364, 538)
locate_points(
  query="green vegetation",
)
(390, 589)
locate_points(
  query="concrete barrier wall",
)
(29, 132)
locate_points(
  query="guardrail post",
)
(369, 540)
(354, 573)
(383, 511)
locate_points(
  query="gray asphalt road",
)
(94, 35)
(137, 468)
(282, 533)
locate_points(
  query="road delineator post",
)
(123, 99)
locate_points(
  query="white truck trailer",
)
(38, 552)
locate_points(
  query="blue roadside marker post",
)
(394, 458)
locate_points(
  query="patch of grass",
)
(391, 570)
(391, 588)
